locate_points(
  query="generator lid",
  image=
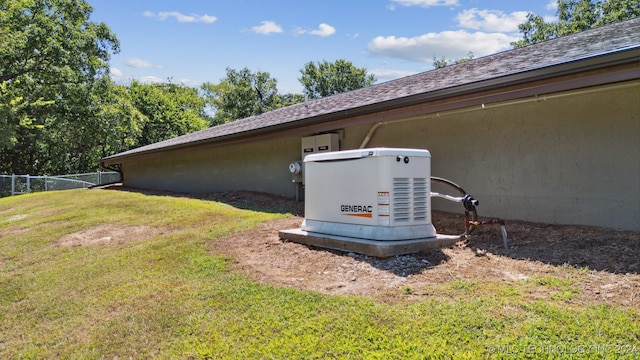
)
(363, 153)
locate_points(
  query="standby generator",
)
(376, 194)
(376, 202)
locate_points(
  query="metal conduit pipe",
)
(485, 106)
(370, 133)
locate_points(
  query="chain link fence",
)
(22, 184)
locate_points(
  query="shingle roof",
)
(498, 68)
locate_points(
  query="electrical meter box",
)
(319, 143)
(376, 194)
(313, 145)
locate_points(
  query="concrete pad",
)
(377, 248)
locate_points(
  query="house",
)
(546, 133)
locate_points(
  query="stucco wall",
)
(260, 166)
(570, 159)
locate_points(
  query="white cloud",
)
(141, 64)
(267, 27)
(491, 20)
(552, 5)
(447, 44)
(181, 18)
(323, 30)
(115, 72)
(426, 3)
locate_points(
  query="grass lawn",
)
(163, 294)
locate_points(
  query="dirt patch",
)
(264, 257)
(106, 234)
(17, 217)
(6, 211)
(608, 260)
(13, 218)
(12, 232)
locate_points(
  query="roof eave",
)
(590, 63)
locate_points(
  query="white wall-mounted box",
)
(320, 143)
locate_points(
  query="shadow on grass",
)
(246, 200)
(585, 247)
(588, 247)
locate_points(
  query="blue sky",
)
(194, 41)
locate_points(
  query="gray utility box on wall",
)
(313, 145)
(319, 143)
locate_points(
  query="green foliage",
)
(167, 110)
(242, 94)
(52, 40)
(442, 62)
(575, 16)
(59, 111)
(51, 56)
(289, 99)
(121, 121)
(325, 79)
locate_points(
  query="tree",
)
(442, 62)
(51, 55)
(122, 121)
(325, 78)
(242, 94)
(111, 124)
(167, 110)
(59, 110)
(289, 99)
(575, 16)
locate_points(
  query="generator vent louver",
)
(410, 199)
